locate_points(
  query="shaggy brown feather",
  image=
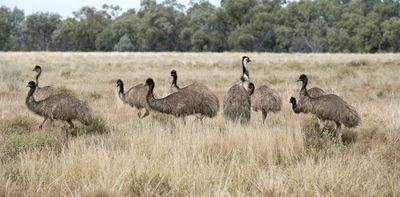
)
(329, 107)
(135, 96)
(313, 92)
(266, 100)
(237, 104)
(42, 92)
(199, 87)
(180, 104)
(62, 107)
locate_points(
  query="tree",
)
(91, 23)
(65, 36)
(124, 44)
(4, 28)
(391, 35)
(39, 29)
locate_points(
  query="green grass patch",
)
(18, 124)
(98, 126)
(13, 143)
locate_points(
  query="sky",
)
(66, 7)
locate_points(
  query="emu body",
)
(209, 98)
(265, 100)
(61, 107)
(134, 97)
(180, 104)
(329, 107)
(42, 92)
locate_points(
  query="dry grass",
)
(161, 156)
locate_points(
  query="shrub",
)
(97, 126)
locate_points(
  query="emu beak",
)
(249, 60)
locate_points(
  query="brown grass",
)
(159, 155)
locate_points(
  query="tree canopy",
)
(365, 26)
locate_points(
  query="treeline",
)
(238, 25)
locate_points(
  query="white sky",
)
(66, 7)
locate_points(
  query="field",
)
(160, 155)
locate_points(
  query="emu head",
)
(303, 78)
(119, 83)
(173, 73)
(246, 59)
(31, 84)
(150, 82)
(292, 100)
(37, 69)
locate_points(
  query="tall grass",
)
(161, 156)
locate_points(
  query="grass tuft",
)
(18, 124)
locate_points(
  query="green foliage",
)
(239, 25)
(39, 30)
(124, 44)
(14, 143)
(200, 40)
(97, 126)
(19, 124)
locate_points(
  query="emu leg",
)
(71, 125)
(146, 113)
(183, 119)
(199, 118)
(264, 115)
(339, 133)
(321, 125)
(64, 136)
(41, 125)
(52, 122)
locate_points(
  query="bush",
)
(320, 140)
(97, 126)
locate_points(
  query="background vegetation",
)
(238, 25)
(160, 155)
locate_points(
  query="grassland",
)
(159, 155)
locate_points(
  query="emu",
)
(237, 103)
(266, 100)
(62, 107)
(135, 97)
(329, 107)
(179, 104)
(202, 89)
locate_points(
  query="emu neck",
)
(30, 101)
(156, 104)
(294, 107)
(121, 92)
(245, 69)
(37, 77)
(303, 90)
(245, 85)
(174, 82)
